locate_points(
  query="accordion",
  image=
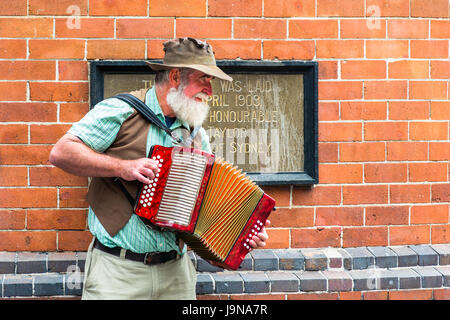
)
(215, 207)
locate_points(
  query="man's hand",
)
(143, 170)
(259, 241)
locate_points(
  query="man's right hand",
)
(143, 170)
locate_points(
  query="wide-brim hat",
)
(190, 53)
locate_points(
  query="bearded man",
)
(112, 141)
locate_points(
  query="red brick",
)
(376, 131)
(441, 294)
(74, 240)
(285, 50)
(407, 29)
(385, 172)
(52, 176)
(233, 49)
(429, 49)
(395, 49)
(293, 217)
(364, 69)
(11, 48)
(411, 295)
(409, 69)
(430, 8)
(26, 27)
(27, 70)
(56, 49)
(13, 176)
(393, 215)
(13, 133)
(313, 296)
(73, 198)
(340, 8)
(440, 69)
(409, 110)
(328, 152)
(411, 193)
(328, 111)
(116, 49)
(434, 90)
(363, 110)
(365, 194)
(343, 131)
(145, 28)
(118, 8)
(59, 91)
(365, 236)
(16, 8)
(88, 28)
(315, 238)
(28, 241)
(168, 8)
(281, 194)
(365, 151)
(363, 28)
(340, 173)
(72, 112)
(430, 130)
(352, 295)
(58, 8)
(340, 90)
(439, 151)
(440, 110)
(409, 235)
(402, 150)
(205, 28)
(28, 197)
(289, 8)
(430, 214)
(395, 89)
(440, 234)
(328, 70)
(28, 112)
(258, 28)
(278, 239)
(12, 219)
(440, 29)
(433, 171)
(24, 154)
(340, 49)
(56, 219)
(375, 295)
(12, 91)
(313, 29)
(47, 133)
(388, 8)
(339, 216)
(73, 70)
(440, 192)
(234, 8)
(318, 195)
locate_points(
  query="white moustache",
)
(202, 96)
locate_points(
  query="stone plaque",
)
(254, 122)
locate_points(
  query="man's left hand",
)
(259, 241)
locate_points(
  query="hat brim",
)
(208, 69)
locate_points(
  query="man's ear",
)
(174, 77)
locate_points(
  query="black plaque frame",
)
(309, 69)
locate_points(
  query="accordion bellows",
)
(216, 208)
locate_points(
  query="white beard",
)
(186, 109)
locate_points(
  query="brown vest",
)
(104, 195)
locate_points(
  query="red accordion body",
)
(216, 208)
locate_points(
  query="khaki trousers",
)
(108, 277)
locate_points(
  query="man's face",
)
(198, 85)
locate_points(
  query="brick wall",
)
(384, 110)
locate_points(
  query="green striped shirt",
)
(98, 130)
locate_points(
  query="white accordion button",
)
(158, 156)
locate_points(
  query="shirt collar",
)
(152, 102)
